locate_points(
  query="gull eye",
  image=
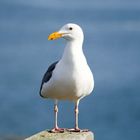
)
(70, 28)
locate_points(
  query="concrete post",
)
(45, 135)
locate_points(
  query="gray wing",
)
(47, 76)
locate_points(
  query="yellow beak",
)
(54, 36)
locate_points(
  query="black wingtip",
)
(41, 95)
(47, 76)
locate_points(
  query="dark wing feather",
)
(47, 76)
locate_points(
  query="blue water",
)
(112, 48)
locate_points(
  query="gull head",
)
(69, 32)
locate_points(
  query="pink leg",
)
(76, 128)
(76, 116)
(56, 129)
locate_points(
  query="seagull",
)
(70, 78)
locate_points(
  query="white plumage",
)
(71, 77)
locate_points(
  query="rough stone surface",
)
(45, 135)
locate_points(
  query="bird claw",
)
(57, 130)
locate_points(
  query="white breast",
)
(69, 82)
(72, 78)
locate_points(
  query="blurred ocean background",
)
(112, 48)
